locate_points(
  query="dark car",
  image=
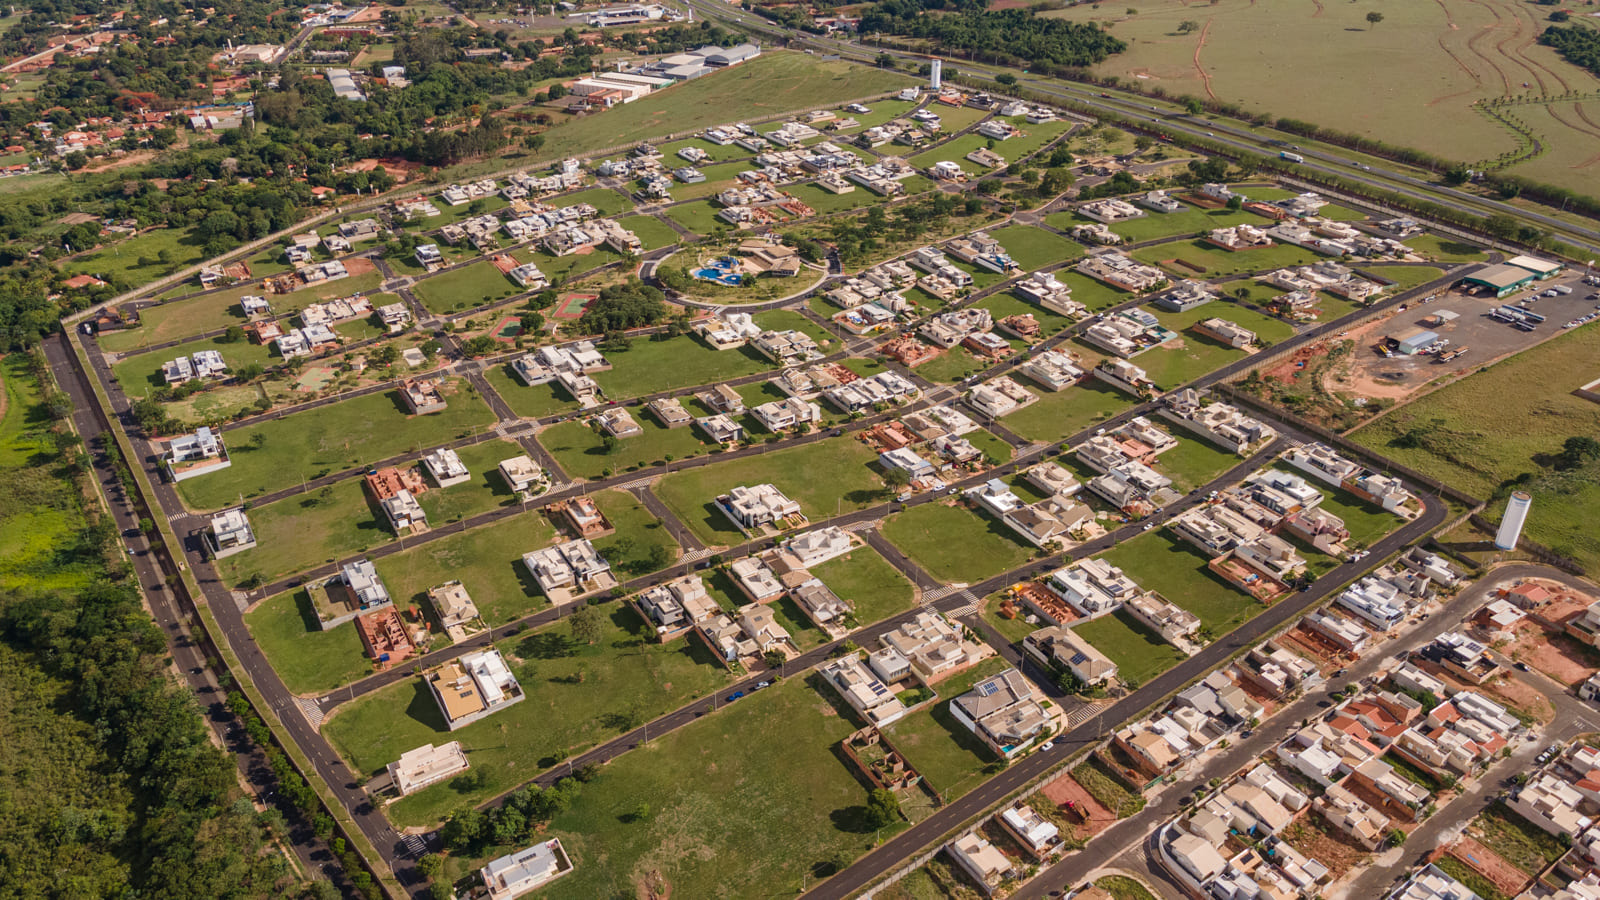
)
(735, 695)
(1520, 666)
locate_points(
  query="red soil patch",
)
(1475, 856)
(359, 265)
(1089, 817)
(1556, 655)
(1289, 369)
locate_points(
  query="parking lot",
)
(1484, 338)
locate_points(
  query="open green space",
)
(1466, 435)
(715, 153)
(641, 543)
(650, 366)
(171, 321)
(308, 659)
(1153, 225)
(534, 402)
(1057, 414)
(952, 365)
(759, 774)
(1405, 277)
(1198, 259)
(1140, 654)
(948, 755)
(1194, 462)
(995, 451)
(316, 442)
(866, 580)
(607, 201)
(955, 544)
(138, 375)
(698, 216)
(1092, 294)
(1013, 629)
(464, 288)
(582, 452)
(825, 202)
(1159, 562)
(1035, 248)
(1192, 354)
(652, 231)
(574, 696)
(1446, 249)
(137, 260)
(767, 85)
(790, 320)
(487, 561)
(1008, 304)
(826, 478)
(307, 530)
(1517, 840)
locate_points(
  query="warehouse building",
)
(1501, 279)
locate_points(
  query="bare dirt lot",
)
(1508, 878)
(1554, 654)
(1092, 818)
(1310, 836)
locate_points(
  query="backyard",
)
(941, 749)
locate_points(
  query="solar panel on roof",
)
(986, 689)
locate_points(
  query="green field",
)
(138, 375)
(1058, 414)
(865, 579)
(1194, 462)
(955, 544)
(581, 450)
(949, 756)
(767, 85)
(1192, 354)
(171, 321)
(1002, 305)
(1160, 562)
(487, 561)
(1034, 248)
(319, 441)
(465, 288)
(650, 366)
(652, 231)
(575, 696)
(136, 260)
(757, 782)
(309, 660)
(607, 201)
(1189, 220)
(848, 485)
(529, 402)
(1405, 277)
(1140, 654)
(1198, 259)
(1446, 249)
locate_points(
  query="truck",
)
(1292, 157)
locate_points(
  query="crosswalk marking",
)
(638, 483)
(178, 516)
(312, 710)
(969, 608)
(858, 527)
(939, 593)
(696, 555)
(414, 843)
(1084, 713)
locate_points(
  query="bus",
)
(1292, 157)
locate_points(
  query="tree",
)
(1235, 203)
(1193, 106)
(1576, 451)
(586, 624)
(430, 865)
(640, 813)
(1006, 78)
(774, 658)
(1188, 26)
(885, 61)
(883, 809)
(1374, 18)
(1456, 175)
(233, 335)
(896, 478)
(462, 830)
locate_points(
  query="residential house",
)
(1059, 647)
(422, 395)
(758, 507)
(229, 533)
(445, 465)
(472, 686)
(526, 870)
(568, 569)
(720, 429)
(1003, 712)
(521, 473)
(676, 606)
(863, 690)
(416, 769)
(453, 605)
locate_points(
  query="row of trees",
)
(1012, 36)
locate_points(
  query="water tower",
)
(1511, 525)
(935, 73)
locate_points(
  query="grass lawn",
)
(698, 216)
(955, 544)
(650, 366)
(1517, 840)
(1203, 260)
(1405, 277)
(485, 491)
(1192, 354)
(1091, 293)
(1194, 462)
(1059, 413)
(714, 152)
(309, 660)
(1035, 248)
(949, 756)
(848, 485)
(315, 442)
(1121, 887)
(632, 548)
(575, 696)
(1140, 654)
(1467, 435)
(952, 365)
(1470, 879)
(607, 201)
(652, 231)
(789, 320)
(865, 579)
(1159, 562)
(1189, 220)
(756, 782)
(464, 288)
(995, 450)
(1107, 790)
(772, 83)
(825, 202)
(581, 451)
(304, 532)
(171, 321)
(487, 562)
(529, 402)
(136, 261)
(1002, 305)
(139, 374)
(1445, 249)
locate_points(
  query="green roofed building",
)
(1501, 279)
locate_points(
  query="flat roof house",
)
(229, 533)
(190, 455)
(752, 508)
(422, 396)
(446, 467)
(676, 606)
(862, 689)
(523, 474)
(416, 769)
(472, 686)
(403, 511)
(518, 873)
(572, 568)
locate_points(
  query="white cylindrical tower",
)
(935, 73)
(1511, 525)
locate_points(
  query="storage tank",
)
(1511, 524)
(935, 73)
